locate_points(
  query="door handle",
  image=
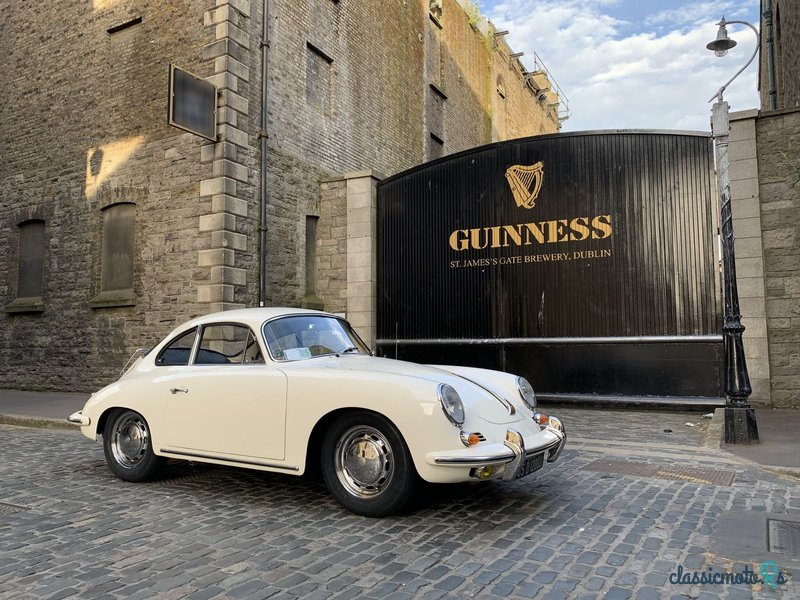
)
(176, 390)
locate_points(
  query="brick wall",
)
(778, 137)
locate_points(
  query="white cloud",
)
(652, 73)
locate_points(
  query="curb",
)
(715, 431)
(37, 422)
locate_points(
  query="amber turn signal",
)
(541, 418)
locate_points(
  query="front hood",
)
(480, 398)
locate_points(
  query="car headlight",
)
(451, 404)
(526, 392)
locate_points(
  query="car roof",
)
(254, 317)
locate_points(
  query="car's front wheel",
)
(128, 446)
(367, 466)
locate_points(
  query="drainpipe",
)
(262, 136)
(767, 14)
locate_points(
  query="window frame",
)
(110, 298)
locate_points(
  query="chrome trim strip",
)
(472, 460)
(230, 460)
(490, 460)
(671, 339)
(508, 406)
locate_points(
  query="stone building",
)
(765, 187)
(116, 226)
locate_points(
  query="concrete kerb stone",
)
(37, 422)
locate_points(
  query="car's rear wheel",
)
(128, 446)
(367, 466)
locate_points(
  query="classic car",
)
(283, 390)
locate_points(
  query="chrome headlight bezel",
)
(526, 392)
(452, 406)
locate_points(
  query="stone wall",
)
(747, 227)
(778, 137)
(84, 126)
(786, 52)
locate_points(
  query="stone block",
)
(224, 81)
(360, 200)
(221, 14)
(742, 149)
(243, 6)
(214, 293)
(233, 66)
(216, 151)
(745, 208)
(226, 116)
(750, 287)
(357, 274)
(361, 289)
(215, 257)
(218, 185)
(228, 239)
(234, 135)
(217, 221)
(227, 168)
(233, 100)
(229, 30)
(363, 229)
(755, 327)
(744, 169)
(749, 267)
(229, 204)
(753, 307)
(228, 275)
(359, 215)
(361, 185)
(746, 228)
(359, 259)
(748, 247)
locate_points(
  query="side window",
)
(225, 345)
(178, 351)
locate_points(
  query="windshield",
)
(303, 336)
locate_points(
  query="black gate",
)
(584, 261)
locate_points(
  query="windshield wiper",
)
(348, 349)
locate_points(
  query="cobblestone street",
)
(575, 530)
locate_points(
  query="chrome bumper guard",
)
(78, 418)
(518, 460)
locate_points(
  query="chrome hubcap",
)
(130, 440)
(364, 461)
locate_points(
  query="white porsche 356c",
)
(284, 389)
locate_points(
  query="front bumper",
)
(513, 458)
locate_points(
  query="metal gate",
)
(584, 261)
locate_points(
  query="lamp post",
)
(740, 418)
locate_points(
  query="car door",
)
(228, 401)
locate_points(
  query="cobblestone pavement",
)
(68, 528)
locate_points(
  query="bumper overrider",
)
(512, 459)
(78, 418)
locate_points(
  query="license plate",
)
(534, 463)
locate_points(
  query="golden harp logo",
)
(525, 183)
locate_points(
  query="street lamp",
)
(740, 418)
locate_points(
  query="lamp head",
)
(723, 43)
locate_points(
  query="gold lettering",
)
(535, 230)
(602, 227)
(475, 238)
(496, 237)
(457, 242)
(580, 229)
(514, 232)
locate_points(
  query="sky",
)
(634, 64)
